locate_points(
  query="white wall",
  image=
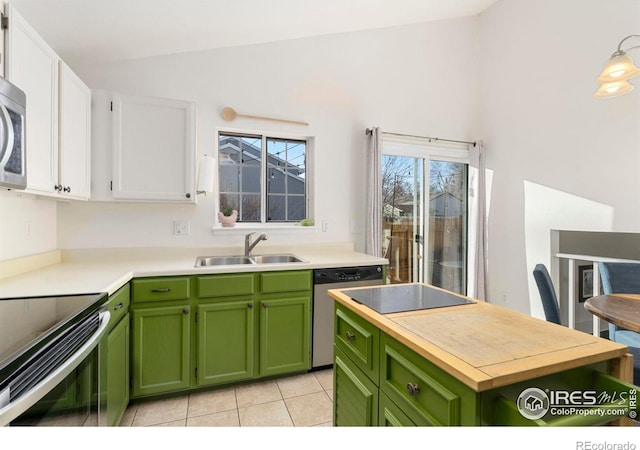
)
(27, 225)
(560, 158)
(417, 79)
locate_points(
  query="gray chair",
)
(621, 278)
(547, 293)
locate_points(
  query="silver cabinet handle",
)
(250, 305)
(350, 336)
(161, 290)
(413, 389)
(118, 306)
(185, 310)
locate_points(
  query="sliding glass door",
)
(403, 217)
(424, 232)
(447, 244)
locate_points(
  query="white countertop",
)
(106, 270)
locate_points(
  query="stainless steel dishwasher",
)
(334, 278)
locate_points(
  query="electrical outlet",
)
(181, 227)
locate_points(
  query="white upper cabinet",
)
(75, 136)
(33, 66)
(154, 149)
(58, 113)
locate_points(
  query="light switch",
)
(181, 227)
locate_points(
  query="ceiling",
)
(96, 31)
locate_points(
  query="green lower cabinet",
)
(359, 340)
(118, 371)
(285, 335)
(390, 415)
(425, 393)
(286, 281)
(160, 349)
(206, 330)
(226, 335)
(355, 396)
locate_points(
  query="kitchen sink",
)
(275, 259)
(207, 261)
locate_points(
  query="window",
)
(264, 178)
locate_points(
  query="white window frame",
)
(264, 136)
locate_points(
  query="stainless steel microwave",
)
(13, 157)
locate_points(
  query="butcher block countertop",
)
(487, 346)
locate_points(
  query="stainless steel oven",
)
(53, 360)
(13, 158)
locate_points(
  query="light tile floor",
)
(295, 401)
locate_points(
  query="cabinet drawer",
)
(288, 281)
(155, 289)
(390, 415)
(427, 394)
(226, 285)
(118, 305)
(355, 396)
(359, 340)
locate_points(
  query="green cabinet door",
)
(160, 349)
(285, 330)
(390, 415)
(118, 371)
(355, 396)
(226, 333)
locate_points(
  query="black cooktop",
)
(405, 297)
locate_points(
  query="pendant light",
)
(613, 89)
(619, 69)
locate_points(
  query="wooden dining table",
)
(622, 310)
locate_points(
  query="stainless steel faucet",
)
(248, 245)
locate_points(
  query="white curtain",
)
(373, 231)
(477, 263)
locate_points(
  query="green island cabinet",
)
(117, 374)
(206, 330)
(379, 381)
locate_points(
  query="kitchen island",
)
(469, 363)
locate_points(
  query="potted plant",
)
(228, 216)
